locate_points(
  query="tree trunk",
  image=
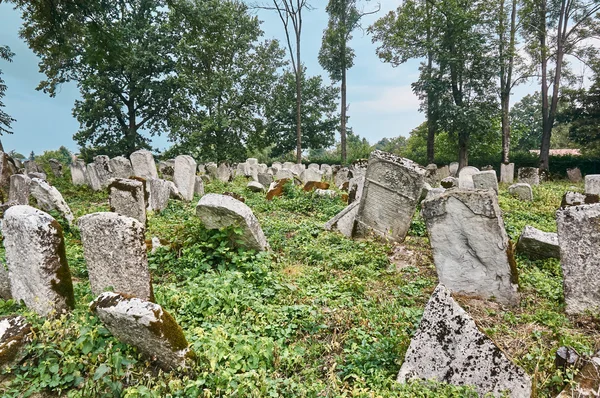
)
(546, 126)
(463, 150)
(343, 110)
(299, 72)
(131, 130)
(505, 104)
(430, 97)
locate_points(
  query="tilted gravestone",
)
(20, 188)
(56, 167)
(15, 333)
(36, 259)
(449, 347)
(129, 198)
(592, 184)
(184, 176)
(198, 186)
(48, 198)
(579, 239)
(390, 196)
(143, 164)
(574, 175)
(115, 254)
(471, 250)
(99, 172)
(537, 244)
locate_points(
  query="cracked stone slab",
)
(537, 244)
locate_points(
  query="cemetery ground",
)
(320, 315)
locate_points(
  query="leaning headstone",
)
(344, 220)
(486, 180)
(121, 167)
(522, 191)
(537, 244)
(41, 176)
(20, 188)
(199, 186)
(390, 196)
(211, 170)
(453, 168)
(265, 179)
(579, 239)
(507, 173)
(37, 264)
(159, 193)
(144, 325)
(166, 168)
(574, 175)
(78, 172)
(355, 188)
(56, 167)
(297, 169)
(529, 175)
(220, 211)
(448, 347)
(223, 173)
(115, 254)
(465, 177)
(255, 186)
(592, 184)
(48, 199)
(143, 164)
(449, 182)
(276, 188)
(128, 198)
(471, 250)
(184, 176)
(276, 166)
(92, 177)
(14, 335)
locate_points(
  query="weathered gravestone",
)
(56, 167)
(537, 244)
(284, 174)
(15, 333)
(443, 172)
(575, 198)
(579, 239)
(143, 164)
(265, 179)
(471, 250)
(574, 175)
(78, 172)
(522, 191)
(465, 177)
(20, 188)
(48, 199)
(223, 173)
(129, 198)
(507, 173)
(37, 264)
(449, 347)
(115, 254)
(310, 175)
(199, 186)
(99, 172)
(166, 168)
(32, 167)
(592, 184)
(220, 211)
(453, 168)
(255, 186)
(184, 176)
(344, 220)
(121, 167)
(390, 195)
(486, 180)
(144, 325)
(342, 176)
(529, 175)
(159, 193)
(355, 188)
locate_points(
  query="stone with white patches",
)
(121, 167)
(522, 191)
(507, 173)
(159, 192)
(143, 164)
(184, 176)
(78, 172)
(56, 167)
(20, 188)
(255, 186)
(14, 335)
(465, 177)
(129, 198)
(223, 173)
(49, 198)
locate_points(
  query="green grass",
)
(319, 316)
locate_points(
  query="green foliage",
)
(5, 119)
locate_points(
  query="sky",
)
(381, 102)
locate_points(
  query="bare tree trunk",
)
(131, 130)
(431, 127)
(299, 72)
(343, 117)
(463, 150)
(506, 71)
(546, 126)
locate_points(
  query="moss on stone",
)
(166, 327)
(63, 284)
(510, 255)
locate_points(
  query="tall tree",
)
(226, 76)
(5, 119)
(290, 14)
(553, 30)
(335, 56)
(119, 54)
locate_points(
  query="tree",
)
(290, 13)
(392, 145)
(335, 56)
(5, 119)
(526, 123)
(226, 77)
(319, 118)
(119, 53)
(553, 30)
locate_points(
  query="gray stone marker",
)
(32, 167)
(344, 220)
(310, 175)
(159, 193)
(115, 254)
(56, 167)
(573, 199)
(465, 177)
(579, 240)
(78, 172)
(522, 191)
(184, 176)
(486, 180)
(537, 244)
(448, 347)
(252, 161)
(265, 179)
(121, 167)
(37, 264)
(453, 168)
(20, 188)
(41, 176)
(99, 172)
(342, 176)
(355, 189)
(199, 186)
(144, 325)
(255, 186)
(14, 335)
(297, 169)
(166, 169)
(314, 166)
(529, 175)
(48, 199)
(143, 164)
(284, 174)
(574, 175)
(443, 172)
(471, 250)
(327, 172)
(223, 173)
(431, 175)
(592, 184)
(390, 196)
(287, 165)
(220, 211)
(7, 169)
(128, 198)
(507, 173)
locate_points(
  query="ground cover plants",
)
(319, 316)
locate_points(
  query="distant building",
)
(559, 152)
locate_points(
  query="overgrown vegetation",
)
(320, 315)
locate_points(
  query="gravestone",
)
(529, 175)
(265, 179)
(15, 333)
(574, 175)
(223, 173)
(592, 184)
(355, 188)
(465, 177)
(115, 254)
(159, 193)
(144, 325)
(99, 172)
(448, 347)
(20, 188)
(390, 196)
(449, 182)
(443, 172)
(522, 191)
(78, 172)
(128, 198)
(579, 240)
(284, 174)
(37, 264)
(143, 164)
(184, 176)
(486, 180)
(507, 173)
(255, 186)
(342, 177)
(537, 244)
(220, 211)
(5, 293)
(121, 167)
(310, 175)
(453, 168)
(56, 167)
(471, 250)
(344, 220)
(199, 186)
(48, 199)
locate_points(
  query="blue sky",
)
(380, 98)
